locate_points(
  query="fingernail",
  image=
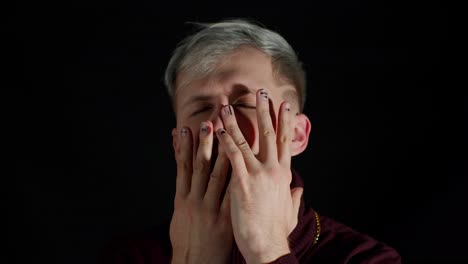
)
(287, 106)
(183, 132)
(228, 110)
(221, 131)
(264, 94)
(204, 128)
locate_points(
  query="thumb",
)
(226, 203)
(296, 195)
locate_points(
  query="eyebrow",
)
(198, 98)
(237, 90)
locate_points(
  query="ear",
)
(302, 129)
(175, 142)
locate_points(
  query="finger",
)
(284, 136)
(296, 195)
(184, 163)
(233, 152)
(201, 167)
(230, 123)
(226, 204)
(217, 181)
(267, 135)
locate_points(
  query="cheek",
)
(248, 125)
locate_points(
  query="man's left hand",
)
(264, 210)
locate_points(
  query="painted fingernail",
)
(204, 128)
(287, 106)
(228, 110)
(264, 94)
(183, 132)
(221, 131)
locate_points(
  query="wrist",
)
(179, 256)
(269, 253)
(178, 260)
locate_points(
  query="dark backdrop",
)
(91, 121)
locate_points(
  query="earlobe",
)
(302, 129)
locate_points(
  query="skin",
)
(249, 111)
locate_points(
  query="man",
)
(238, 90)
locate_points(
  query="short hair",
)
(200, 52)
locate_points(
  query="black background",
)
(91, 120)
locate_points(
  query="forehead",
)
(247, 67)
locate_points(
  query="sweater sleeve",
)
(341, 244)
(382, 255)
(286, 259)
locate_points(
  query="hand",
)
(264, 210)
(200, 229)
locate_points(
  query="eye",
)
(201, 110)
(244, 105)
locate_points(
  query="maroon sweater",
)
(316, 239)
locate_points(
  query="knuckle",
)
(193, 202)
(268, 132)
(214, 176)
(183, 165)
(243, 144)
(284, 139)
(201, 165)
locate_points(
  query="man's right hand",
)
(201, 229)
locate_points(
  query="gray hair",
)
(201, 52)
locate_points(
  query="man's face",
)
(234, 82)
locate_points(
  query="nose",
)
(216, 115)
(217, 124)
